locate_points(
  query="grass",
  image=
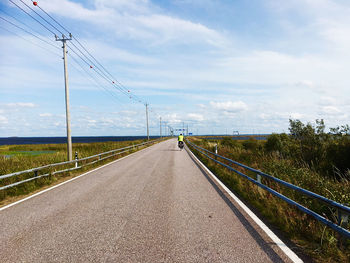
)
(319, 242)
(15, 158)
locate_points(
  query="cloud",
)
(21, 105)
(327, 101)
(45, 115)
(195, 117)
(137, 20)
(330, 110)
(296, 115)
(230, 106)
(305, 83)
(3, 120)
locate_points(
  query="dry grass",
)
(318, 241)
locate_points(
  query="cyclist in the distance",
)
(180, 141)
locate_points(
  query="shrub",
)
(251, 144)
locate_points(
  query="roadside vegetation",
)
(15, 158)
(307, 157)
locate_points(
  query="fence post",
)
(343, 220)
(76, 159)
(258, 178)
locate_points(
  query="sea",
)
(82, 139)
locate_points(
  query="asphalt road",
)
(154, 206)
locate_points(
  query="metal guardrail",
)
(343, 210)
(100, 157)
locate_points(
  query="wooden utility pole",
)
(69, 137)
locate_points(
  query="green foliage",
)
(227, 141)
(327, 153)
(43, 154)
(251, 144)
(307, 158)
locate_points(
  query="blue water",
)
(53, 140)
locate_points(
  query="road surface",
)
(154, 206)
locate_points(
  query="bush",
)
(229, 142)
(251, 144)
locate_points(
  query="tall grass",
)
(318, 241)
(20, 162)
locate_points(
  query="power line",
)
(33, 18)
(19, 21)
(102, 66)
(86, 62)
(29, 41)
(102, 72)
(41, 16)
(114, 81)
(47, 42)
(51, 17)
(93, 78)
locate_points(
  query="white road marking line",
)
(267, 230)
(70, 180)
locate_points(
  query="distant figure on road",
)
(180, 140)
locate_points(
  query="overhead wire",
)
(103, 67)
(56, 54)
(41, 17)
(33, 18)
(19, 27)
(28, 32)
(95, 64)
(92, 78)
(87, 63)
(24, 24)
(51, 17)
(103, 71)
(92, 65)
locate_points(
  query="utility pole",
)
(160, 127)
(69, 138)
(147, 120)
(183, 128)
(187, 129)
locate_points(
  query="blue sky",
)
(218, 66)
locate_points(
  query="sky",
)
(216, 66)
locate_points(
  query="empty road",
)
(154, 206)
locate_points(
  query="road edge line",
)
(70, 180)
(286, 250)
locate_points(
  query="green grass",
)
(22, 157)
(318, 241)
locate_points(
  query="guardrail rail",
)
(48, 168)
(343, 210)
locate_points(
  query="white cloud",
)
(296, 115)
(330, 110)
(21, 105)
(195, 117)
(3, 120)
(137, 20)
(230, 106)
(327, 101)
(45, 115)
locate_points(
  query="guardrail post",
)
(258, 178)
(36, 173)
(216, 150)
(99, 156)
(343, 220)
(76, 159)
